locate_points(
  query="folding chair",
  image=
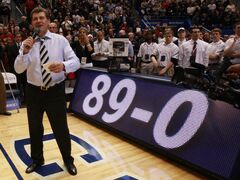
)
(12, 90)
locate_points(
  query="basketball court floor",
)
(98, 154)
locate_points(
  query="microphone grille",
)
(35, 32)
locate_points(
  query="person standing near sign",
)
(194, 51)
(84, 48)
(46, 58)
(101, 51)
(146, 51)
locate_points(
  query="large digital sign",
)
(181, 123)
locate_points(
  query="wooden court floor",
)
(110, 157)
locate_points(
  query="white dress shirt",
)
(216, 48)
(235, 49)
(59, 50)
(101, 47)
(185, 52)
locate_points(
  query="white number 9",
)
(122, 106)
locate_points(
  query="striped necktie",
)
(46, 77)
(194, 53)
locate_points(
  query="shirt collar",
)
(195, 41)
(48, 35)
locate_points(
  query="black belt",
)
(43, 88)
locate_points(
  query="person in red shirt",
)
(6, 34)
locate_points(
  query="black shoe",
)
(6, 113)
(32, 167)
(71, 169)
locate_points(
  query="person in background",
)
(194, 51)
(53, 27)
(147, 49)
(101, 51)
(3, 100)
(84, 48)
(46, 59)
(181, 36)
(12, 52)
(167, 56)
(232, 46)
(216, 49)
(122, 34)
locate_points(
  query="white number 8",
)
(96, 94)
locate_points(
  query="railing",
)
(170, 21)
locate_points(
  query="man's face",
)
(182, 34)
(39, 20)
(18, 38)
(216, 36)
(100, 36)
(195, 34)
(53, 28)
(5, 30)
(149, 36)
(237, 30)
(168, 38)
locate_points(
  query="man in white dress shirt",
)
(216, 48)
(194, 50)
(101, 51)
(232, 48)
(47, 96)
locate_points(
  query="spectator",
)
(122, 34)
(216, 48)
(181, 36)
(83, 48)
(24, 23)
(53, 27)
(232, 48)
(146, 50)
(194, 50)
(101, 51)
(167, 55)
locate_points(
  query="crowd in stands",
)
(89, 24)
(208, 13)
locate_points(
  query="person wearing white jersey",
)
(167, 56)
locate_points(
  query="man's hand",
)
(235, 55)
(234, 69)
(56, 67)
(27, 45)
(162, 71)
(154, 61)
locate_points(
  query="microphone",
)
(34, 35)
(35, 32)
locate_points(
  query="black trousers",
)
(53, 103)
